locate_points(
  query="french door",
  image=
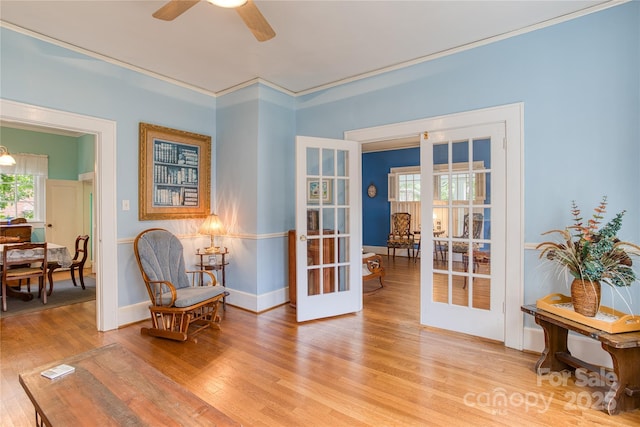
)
(328, 254)
(463, 178)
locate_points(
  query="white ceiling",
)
(317, 43)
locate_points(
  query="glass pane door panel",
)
(328, 162)
(313, 220)
(343, 220)
(343, 278)
(459, 290)
(313, 161)
(313, 282)
(482, 154)
(342, 192)
(343, 249)
(329, 280)
(441, 288)
(457, 223)
(460, 186)
(441, 156)
(342, 163)
(328, 220)
(481, 293)
(460, 151)
(313, 251)
(481, 182)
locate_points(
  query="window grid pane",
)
(409, 187)
(17, 196)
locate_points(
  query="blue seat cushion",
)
(193, 295)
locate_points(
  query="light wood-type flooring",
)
(378, 367)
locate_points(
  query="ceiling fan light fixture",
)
(228, 3)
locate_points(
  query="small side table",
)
(218, 265)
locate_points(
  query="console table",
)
(112, 387)
(21, 231)
(624, 348)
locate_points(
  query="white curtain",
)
(411, 207)
(38, 166)
(28, 164)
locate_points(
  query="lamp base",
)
(212, 250)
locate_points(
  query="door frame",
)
(104, 132)
(513, 117)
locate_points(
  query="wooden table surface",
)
(113, 387)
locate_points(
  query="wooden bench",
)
(623, 380)
(112, 387)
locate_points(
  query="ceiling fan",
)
(247, 10)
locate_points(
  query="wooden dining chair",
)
(24, 261)
(77, 263)
(80, 257)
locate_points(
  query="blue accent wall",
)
(376, 211)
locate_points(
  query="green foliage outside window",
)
(16, 196)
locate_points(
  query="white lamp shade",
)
(212, 226)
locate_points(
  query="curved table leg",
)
(623, 394)
(555, 341)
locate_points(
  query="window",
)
(22, 187)
(464, 185)
(409, 187)
(404, 184)
(404, 192)
(17, 196)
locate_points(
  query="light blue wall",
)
(40, 73)
(580, 84)
(255, 173)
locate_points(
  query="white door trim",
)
(106, 212)
(513, 117)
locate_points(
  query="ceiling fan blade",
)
(173, 9)
(253, 19)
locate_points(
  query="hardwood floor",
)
(377, 367)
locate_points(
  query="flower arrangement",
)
(590, 253)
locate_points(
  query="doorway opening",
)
(104, 132)
(512, 118)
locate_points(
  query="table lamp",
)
(213, 227)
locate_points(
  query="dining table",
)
(57, 255)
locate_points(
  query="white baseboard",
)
(585, 349)
(133, 313)
(255, 303)
(382, 250)
(258, 303)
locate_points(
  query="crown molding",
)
(373, 73)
